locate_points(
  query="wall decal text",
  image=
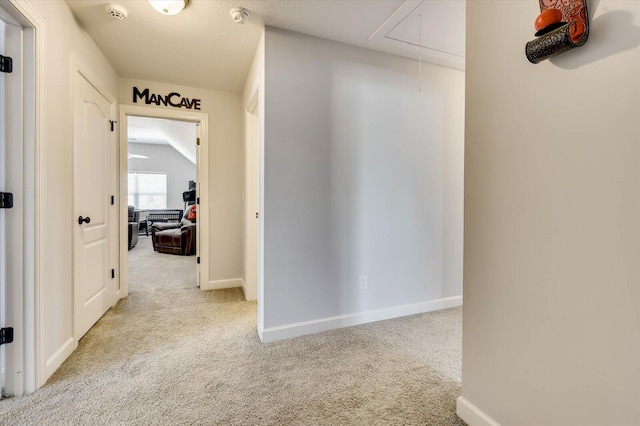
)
(173, 99)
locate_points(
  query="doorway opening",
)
(162, 187)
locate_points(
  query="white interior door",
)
(11, 222)
(252, 199)
(252, 211)
(3, 187)
(94, 291)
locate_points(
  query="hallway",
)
(184, 356)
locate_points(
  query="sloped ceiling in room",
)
(202, 47)
(180, 135)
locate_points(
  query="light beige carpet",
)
(153, 271)
(181, 356)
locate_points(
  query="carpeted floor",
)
(153, 271)
(172, 354)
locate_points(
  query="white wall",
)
(165, 159)
(363, 175)
(552, 230)
(226, 171)
(64, 39)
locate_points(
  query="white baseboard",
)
(58, 357)
(247, 296)
(260, 330)
(220, 284)
(472, 415)
(272, 334)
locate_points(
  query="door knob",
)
(83, 219)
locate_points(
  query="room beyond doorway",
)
(152, 272)
(161, 199)
(151, 140)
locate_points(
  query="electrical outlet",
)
(364, 282)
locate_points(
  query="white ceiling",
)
(181, 135)
(202, 47)
(434, 28)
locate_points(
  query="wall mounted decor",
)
(561, 26)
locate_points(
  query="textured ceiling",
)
(202, 47)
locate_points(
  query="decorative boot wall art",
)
(561, 26)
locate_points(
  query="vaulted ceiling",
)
(202, 47)
(181, 135)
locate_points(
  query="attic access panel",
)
(434, 30)
(442, 23)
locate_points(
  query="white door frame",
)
(31, 311)
(202, 120)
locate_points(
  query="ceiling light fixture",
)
(130, 156)
(169, 7)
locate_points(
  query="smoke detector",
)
(239, 15)
(116, 11)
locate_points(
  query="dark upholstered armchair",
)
(134, 218)
(174, 238)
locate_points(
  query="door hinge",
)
(6, 335)
(198, 200)
(198, 260)
(113, 273)
(257, 215)
(197, 141)
(113, 124)
(6, 64)
(6, 200)
(113, 200)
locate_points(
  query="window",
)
(148, 190)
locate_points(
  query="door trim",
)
(203, 190)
